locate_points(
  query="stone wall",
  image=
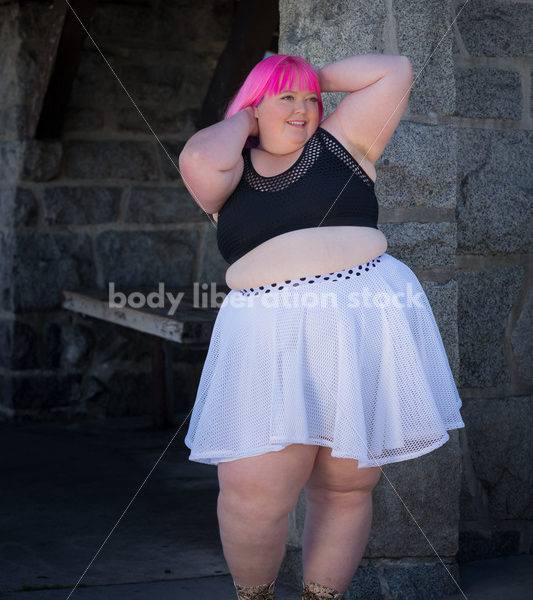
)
(493, 50)
(104, 203)
(455, 194)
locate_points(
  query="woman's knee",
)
(265, 486)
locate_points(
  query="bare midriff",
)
(309, 251)
(305, 252)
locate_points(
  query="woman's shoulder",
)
(332, 128)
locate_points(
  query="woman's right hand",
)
(254, 125)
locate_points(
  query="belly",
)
(305, 252)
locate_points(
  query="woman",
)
(311, 381)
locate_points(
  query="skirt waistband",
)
(348, 273)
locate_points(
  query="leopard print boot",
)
(256, 592)
(315, 591)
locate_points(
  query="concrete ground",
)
(117, 508)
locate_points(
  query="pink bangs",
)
(269, 77)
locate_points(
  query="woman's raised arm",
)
(379, 86)
(211, 163)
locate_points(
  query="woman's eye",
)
(286, 97)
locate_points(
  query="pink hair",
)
(269, 77)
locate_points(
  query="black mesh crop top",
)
(261, 208)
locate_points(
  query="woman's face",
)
(275, 114)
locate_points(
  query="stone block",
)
(493, 28)
(112, 159)
(365, 585)
(443, 301)
(431, 581)
(213, 266)
(12, 121)
(11, 157)
(482, 544)
(162, 205)
(522, 338)
(418, 167)
(18, 348)
(425, 490)
(498, 432)
(18, 207)
(421, 28)
(168, 158)
(81, 205)
(145, 258)
(484, 301)
(46, 264)
(324, 32)
(494, 192)
(421, 245)
(38, 395)
(486, 92)
(42, 160)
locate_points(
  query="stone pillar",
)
(414, 539)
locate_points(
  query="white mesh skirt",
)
(352, 360)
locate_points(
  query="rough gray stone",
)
(492, 28)
(484, 301)
(418, 167)
(487, 92)
(46, 264)
(421, 25)
(422, 582)
(501, 447)
(494, 203)
(12, 120)
(42, 160)
(18, 207)
(81, 205)
(213, 266)
(328, 32)
(112, 159)
(522, 338)
(11, 153)
(421, 245)
(443, 301)
(162, 205)
(144, 258)
(394, 532)
(168, 159)
(365, 585)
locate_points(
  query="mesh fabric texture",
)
(352, 362)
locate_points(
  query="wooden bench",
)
(191, 325)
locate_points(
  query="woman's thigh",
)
(273, 477)
(334, 475)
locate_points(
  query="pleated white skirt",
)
(352, 360)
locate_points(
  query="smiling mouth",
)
(301, 125)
